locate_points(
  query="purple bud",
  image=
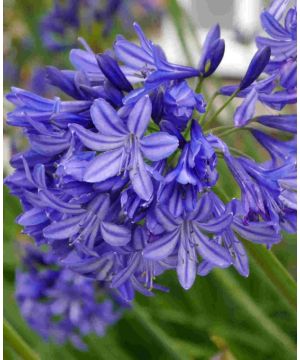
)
(213, 52)
(112, 71)
(256, 67)
(281, 122)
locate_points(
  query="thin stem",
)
(208, 107)
(234, 151)
(187, 130)
(13, 339)
(247, 304)
(218, 128)
(166, 342)
(278, 275)
(199, 85)
(233, 130)
(227, 102)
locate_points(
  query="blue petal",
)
(246, 110)
(261, 233)
(282, 50)
(281, 122)
(53, 202)
(141, 180)
(115, 235)
(84, 60)
(104, 166)
(218, 224)
(63, 229)
(166, 219)
(175, 205)
(273, 27)
(163, 247)
(277, 8)
(124, 274)
(132, 55)
(186, 266)
(33, 216)
(96, 141)
(215, 57)
(106, 119)
(239, 258)
(289, 77)
(139, 116)
(210, 250)
(203, 210)
(49, 145)
(205, 268)
(158, 146)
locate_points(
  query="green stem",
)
(246, 303)
(271, 266)
(218, 128)
(202, 118)
(14, 340)
(166, 342)
(227, 102)
(235, 151)
(233, 130)
(199, 85)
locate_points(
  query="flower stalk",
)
(12, 338)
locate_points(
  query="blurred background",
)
(223, 316)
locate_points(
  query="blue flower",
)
(149, 64)
(59, 304)
(86, 226)
(264, 191)
(123, 145)
(257, 232)
(281, 152)
(179, 103)
(120, 181)
(186, 236)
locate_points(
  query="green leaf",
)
(242, 299)
(157, 333)
(12, 338)
(270, 265)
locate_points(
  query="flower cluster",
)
(60, 25)
(60, 305)
(121, 181)
(279, 88)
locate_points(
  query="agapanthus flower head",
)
(121, 180)
(59, 304)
